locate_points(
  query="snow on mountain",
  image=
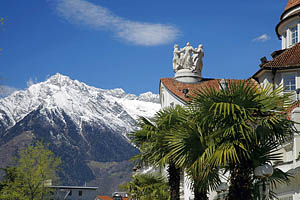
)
(113, 108)
(85, 126)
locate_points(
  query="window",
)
(79, 193)
(289, 82)
(294, 35)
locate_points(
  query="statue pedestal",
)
(187, 76)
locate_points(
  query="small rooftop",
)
(108, 198)
(185, 91)
(75, 187)
(287, 58)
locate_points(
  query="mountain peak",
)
(117, 92)
(59, 79)
(149, 97)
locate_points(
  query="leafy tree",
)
(247, 124)
(150, 140)
(9, 176)
(35, 165)
(147, 187)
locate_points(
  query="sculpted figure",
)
(187, 60)
(197, 58)
(176, 58)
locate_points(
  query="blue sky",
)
(129, 43)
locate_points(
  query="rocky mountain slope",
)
(83, 125)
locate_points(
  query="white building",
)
(284, 69)
(74, 193)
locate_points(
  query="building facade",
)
(73, 193)
(283, 69)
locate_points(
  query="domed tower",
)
(288, 28)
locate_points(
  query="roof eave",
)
(288, 10)
(259, 71)
(286, 67)
(284, 20)
(274, 68)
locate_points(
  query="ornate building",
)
(284, 68)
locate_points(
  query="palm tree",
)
(187, 142)
(153, 149)
(240, 119)
(147, 187)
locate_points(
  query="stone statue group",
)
(188, 58)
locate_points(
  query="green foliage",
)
(240, 117)
(147, 187)
(187, 142)
(35, 165)
(9, 176)
(235, 129)
(245, 125)
(150, 139)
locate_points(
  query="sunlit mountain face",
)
(85, 126)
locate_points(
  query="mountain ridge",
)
(61, 91)
(84, 125)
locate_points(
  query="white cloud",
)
(100, 18)
(6, 90)
(262, 38)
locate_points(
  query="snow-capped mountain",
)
(84, 125)
(83, 103)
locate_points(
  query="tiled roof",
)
(177, 87)
(291, 4)
(104, 197)
(109, 198)
(288, 58)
